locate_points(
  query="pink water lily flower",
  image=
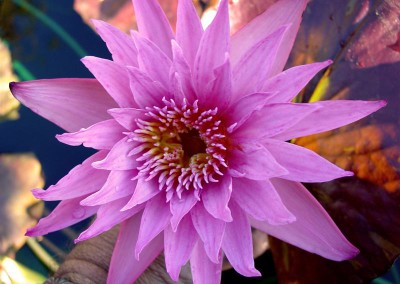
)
(191, 132)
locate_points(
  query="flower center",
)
(192, 144)
(185, 147)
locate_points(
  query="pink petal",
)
(119, 184)
(247, 76)
(124, 267)
(156, 217)
(210, 230)
(238, 244)
(203, 270)
(178, 246)
(118, 158)
(181, 76)
(147, 93)
(274, 119)
(219, 90)
(144, 191)
(70, 186)
(241, 110)
(313, 230)
(127, 116)
(188, 30)
(302, 164)
(72, 104)
(216, 196)
(67, 213)
(213, 48)
(180, 207)
(282, 13)
(288, 84)
(152, 60)
(108, 215)
(330, 115)
(153, 24)
(120, 45)
(102, 135)
(261, 201)
(113, 77)
(253, 161)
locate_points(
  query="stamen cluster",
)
(183, 145)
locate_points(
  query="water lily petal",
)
(156, 217)
(120, 45)
(313, 230)
(67, 213)
(178, 246)
(180, 68)
(72, 104)
(219, 90)
(127, 116)
(207, 59)
(332, 114)
(70, 186)
(302, 164)
(152, 60)
(102, 135)
(210, 231)
(216, 197)
(283, 12)
(188, 30)
(119, 184)
(247, 76)
(144, 191)
(253, 161)
(261, 201)
(298, 76)
(124, 267)
(153, 24)
(107, 216)
(118, 158)
(240, 111)
(237, 243)
(147, 93)
(204, 270)
(113, 77)
(180, 207)
(274, 119)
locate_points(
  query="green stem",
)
(42, 254)
(22, 71)
(52, 25)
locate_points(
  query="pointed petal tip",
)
(348, 174)
(11, 85)
(346, 253)
(382, 103)
(38, 192)
(252, 272)
(30, 232)
(174, 275)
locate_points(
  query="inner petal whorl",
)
(183, 146)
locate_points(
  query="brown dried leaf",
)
(19, 173)
(8, 104)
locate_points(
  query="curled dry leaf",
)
(8, 104)
(363, 39)
(19, 173)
